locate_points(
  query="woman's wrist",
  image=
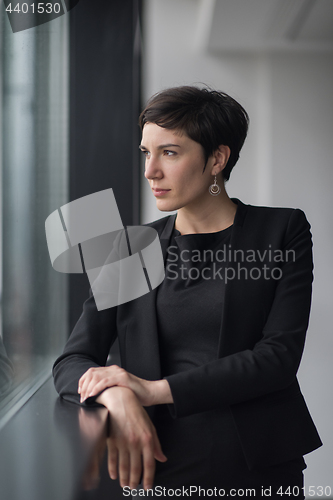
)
(156, 392)
(161, 392)
(111, 396)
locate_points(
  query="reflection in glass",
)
(34, 107)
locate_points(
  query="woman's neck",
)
(217, 214)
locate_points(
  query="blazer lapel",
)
(166, 234)
(231, 307)
(142, 348)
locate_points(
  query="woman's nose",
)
(153, 169)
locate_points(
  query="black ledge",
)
(55, 450)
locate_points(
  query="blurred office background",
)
(72, 90)
(276, 58)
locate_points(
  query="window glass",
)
(34, 183)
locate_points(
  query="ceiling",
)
(266, 25)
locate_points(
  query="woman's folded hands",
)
(133, 444)
(148, 392)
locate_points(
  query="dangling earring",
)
(214, 189)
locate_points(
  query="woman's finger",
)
(158, 453)
(84, 387)
(84, 383)
(92, 390)
(123, 464)
(81, 384)
(148, 468)
(112, 459)
(83, 393)
(135, 467)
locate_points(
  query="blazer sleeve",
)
(88, 346)
(273, 362)
(90, 342)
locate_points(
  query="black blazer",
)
(264, 321)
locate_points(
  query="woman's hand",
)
(148, 392)
(91, 423)
(133, 444)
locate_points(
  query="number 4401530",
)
(317, 491)
(39, 8)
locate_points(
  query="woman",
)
(214, 351)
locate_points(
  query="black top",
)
(193, 290)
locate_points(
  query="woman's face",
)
(174, 168)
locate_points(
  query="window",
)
(34, 183)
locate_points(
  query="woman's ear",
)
(221, 157)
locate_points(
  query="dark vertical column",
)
(136, 108)
(104, 109)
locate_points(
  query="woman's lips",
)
(160, 192)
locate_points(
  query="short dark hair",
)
(207, 116)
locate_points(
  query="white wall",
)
(286, 162)
(302, 176)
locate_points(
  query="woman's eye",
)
(167, 152)
(146, 153)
